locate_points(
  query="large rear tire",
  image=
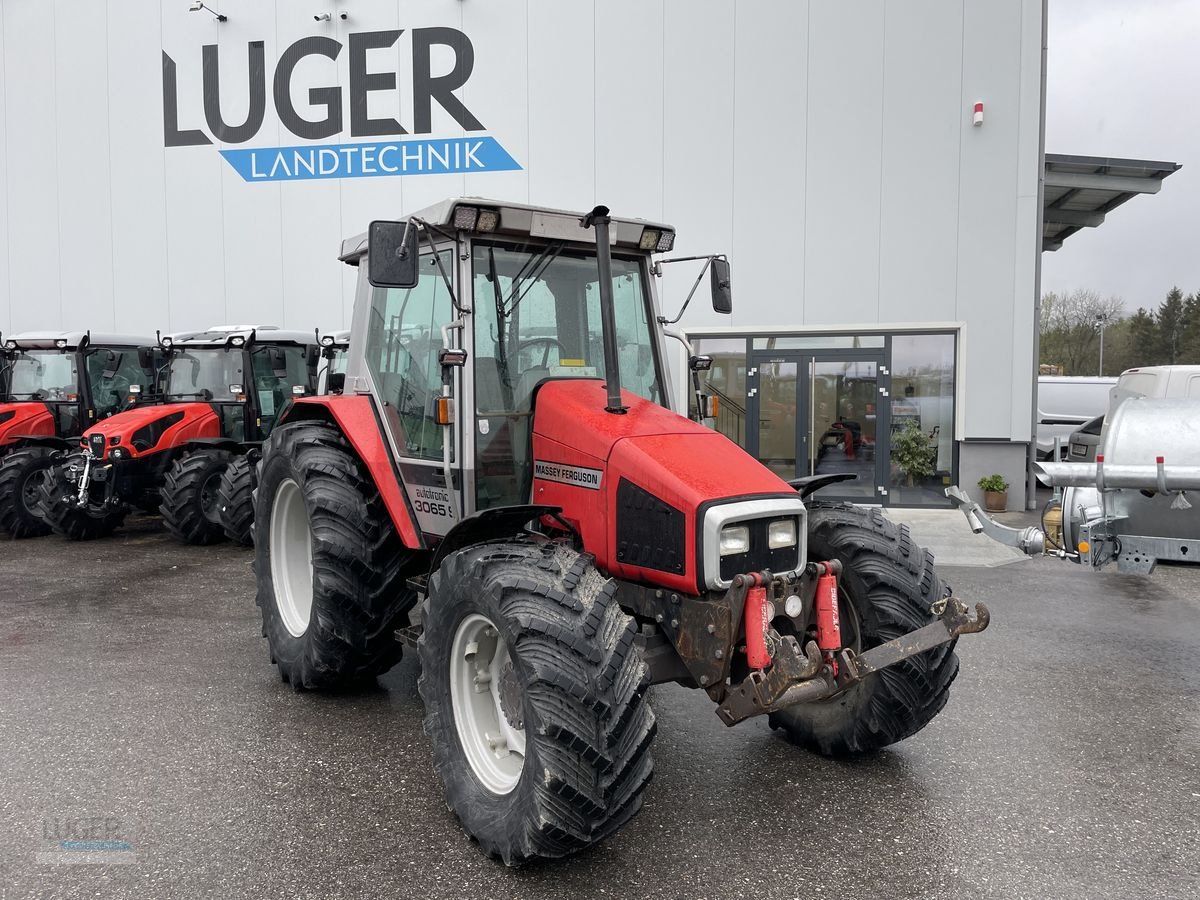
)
(331, 568)
(21, 475)
(235, 498)
(190, 508)
(535, 699)
(887, 586)
(60, 512)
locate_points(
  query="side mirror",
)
(146, 358)
(278, 362)
(392, 255)
(722, 295)
(313, 356)
(336, 383)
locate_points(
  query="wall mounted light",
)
(197, 5)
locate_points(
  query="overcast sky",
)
(1123, 79)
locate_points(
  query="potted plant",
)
(995, 492)
(913, 454)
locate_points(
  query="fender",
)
(54, 443)
(491, 524)
(209, 443)
(25, 420)
(356, 417)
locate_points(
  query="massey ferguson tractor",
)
(235, 493)
(222, 391)
(54, 385)
(504, 487)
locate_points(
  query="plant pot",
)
(995, 501)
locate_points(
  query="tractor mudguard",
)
(489, 524)
(41, 440)
(211, 443)
(355, 416)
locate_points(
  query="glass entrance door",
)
(822, 413)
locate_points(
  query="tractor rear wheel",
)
(21, 474)
(887, 586)
(235, 498)
(331, 568)
(535, 699)
(60, 512)
(190, 509)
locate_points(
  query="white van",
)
(1156, 381)
(1065, 403)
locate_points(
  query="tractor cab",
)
(57, 384)
(469, 308)
(244, 374)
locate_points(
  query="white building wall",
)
(826, 146)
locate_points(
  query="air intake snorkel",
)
(599, 219)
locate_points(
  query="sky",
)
(1123, 80)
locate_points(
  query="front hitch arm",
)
(798, 677)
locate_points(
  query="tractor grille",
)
(96, 442)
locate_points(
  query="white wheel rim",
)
(480, 671)
(291, 558)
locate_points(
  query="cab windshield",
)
(40, 375)
(205, 374)
(537, 316)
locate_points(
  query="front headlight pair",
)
(735, 539)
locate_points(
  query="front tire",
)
(331, 568)
(535, 699)
(60, 512)
(190, 508)
(887, 586)
(21, 476)
(235, 499)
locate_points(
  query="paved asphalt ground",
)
(138, 705)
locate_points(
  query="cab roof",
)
(518, 219)
(48, 340)
(222, 335)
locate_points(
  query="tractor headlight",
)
(735, 539)
(781, 533)
(237, 341)
(61, 344)
(649, 239)
(10, 345)
(117, 453)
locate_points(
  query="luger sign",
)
(474, 153)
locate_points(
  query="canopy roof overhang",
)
(1081, 190)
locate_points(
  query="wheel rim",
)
(31, 488)
(291, 558)
(209, 504)
(488, 712)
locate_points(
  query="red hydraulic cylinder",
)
(829, 630)
(757, 654)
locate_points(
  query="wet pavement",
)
(139, 715)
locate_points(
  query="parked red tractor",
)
(54, 385)
(235, 494)
(223, 389)
(503, 486)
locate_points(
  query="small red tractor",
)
(235, 493)
(222, 391)
(503, 486)
(53, 386)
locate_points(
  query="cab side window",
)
(404, 336)
(276, 370)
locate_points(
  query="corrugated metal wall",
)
(827, 146)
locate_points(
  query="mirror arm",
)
(695, 284)
(437, 258)
(671, 333)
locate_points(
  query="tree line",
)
(1071, 326)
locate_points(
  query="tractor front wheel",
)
(21, 475)
(62, 513)
(331, 568)
(535, 699)
(886, 589)
(190, 508)
(235, 497)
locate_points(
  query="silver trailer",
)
(1131, 505)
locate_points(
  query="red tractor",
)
(504, 487)
(235, 494)
(53, 386)
(222, 391)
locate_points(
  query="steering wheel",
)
(548, 342)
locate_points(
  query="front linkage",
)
(729, 647)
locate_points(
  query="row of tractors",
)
(94, 426)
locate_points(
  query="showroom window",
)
(922, 420)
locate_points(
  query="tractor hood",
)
(152, 429)
(25, 419)
(644, 487)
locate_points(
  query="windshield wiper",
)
(501, 352)
(536, 267)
